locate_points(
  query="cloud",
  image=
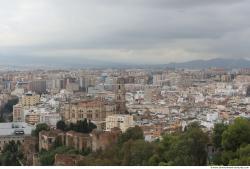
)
(143, 31)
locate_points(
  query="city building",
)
(38, 86)
(121, 121)
(14, 132)
(30, 99)
(93, 110)
(18, 115)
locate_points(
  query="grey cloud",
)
(170, 30)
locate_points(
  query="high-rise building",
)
(38, 86)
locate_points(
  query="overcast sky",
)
(140, 31)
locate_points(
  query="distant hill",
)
(71, 62)
(218, 62)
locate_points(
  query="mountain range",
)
(217, 62)
(68, 62)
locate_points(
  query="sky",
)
(127, 31)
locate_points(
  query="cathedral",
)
(120, 99)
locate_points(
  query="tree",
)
(82, 126)
(11, 154)
(227, 156)
(162, 148)
(40, 127)
(217, 158)
(188, 148)
(243, 157)
(136, 153)
(91, 126)
(47, 158)
(217, 134)
(236, 135)
(61, 125)
(197, 142)
(133, 133)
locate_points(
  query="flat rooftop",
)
(8, 129)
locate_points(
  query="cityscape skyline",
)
(125, 83)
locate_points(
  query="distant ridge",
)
(218, 63)
(67, 62)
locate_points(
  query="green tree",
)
(61, 125)
(40, 127)
(243, 157)
(82, 126)
(188, 148)
(11, 154)
(197, 141)
(91, 126)
(227, 156)
(236, 135)
(136, 153)
(47, 158)
(217, 158)
(217, 134)
(133, 133)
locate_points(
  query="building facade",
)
(18, 115)
(30, 99)
(94, 110)
(14, 132)
(119, 120)
(47, 139)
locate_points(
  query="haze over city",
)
(131, 31)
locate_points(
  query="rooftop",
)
(7, 129)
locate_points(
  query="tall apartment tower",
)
(120, 99)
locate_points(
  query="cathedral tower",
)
(120, 99)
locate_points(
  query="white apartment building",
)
(118, 120)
